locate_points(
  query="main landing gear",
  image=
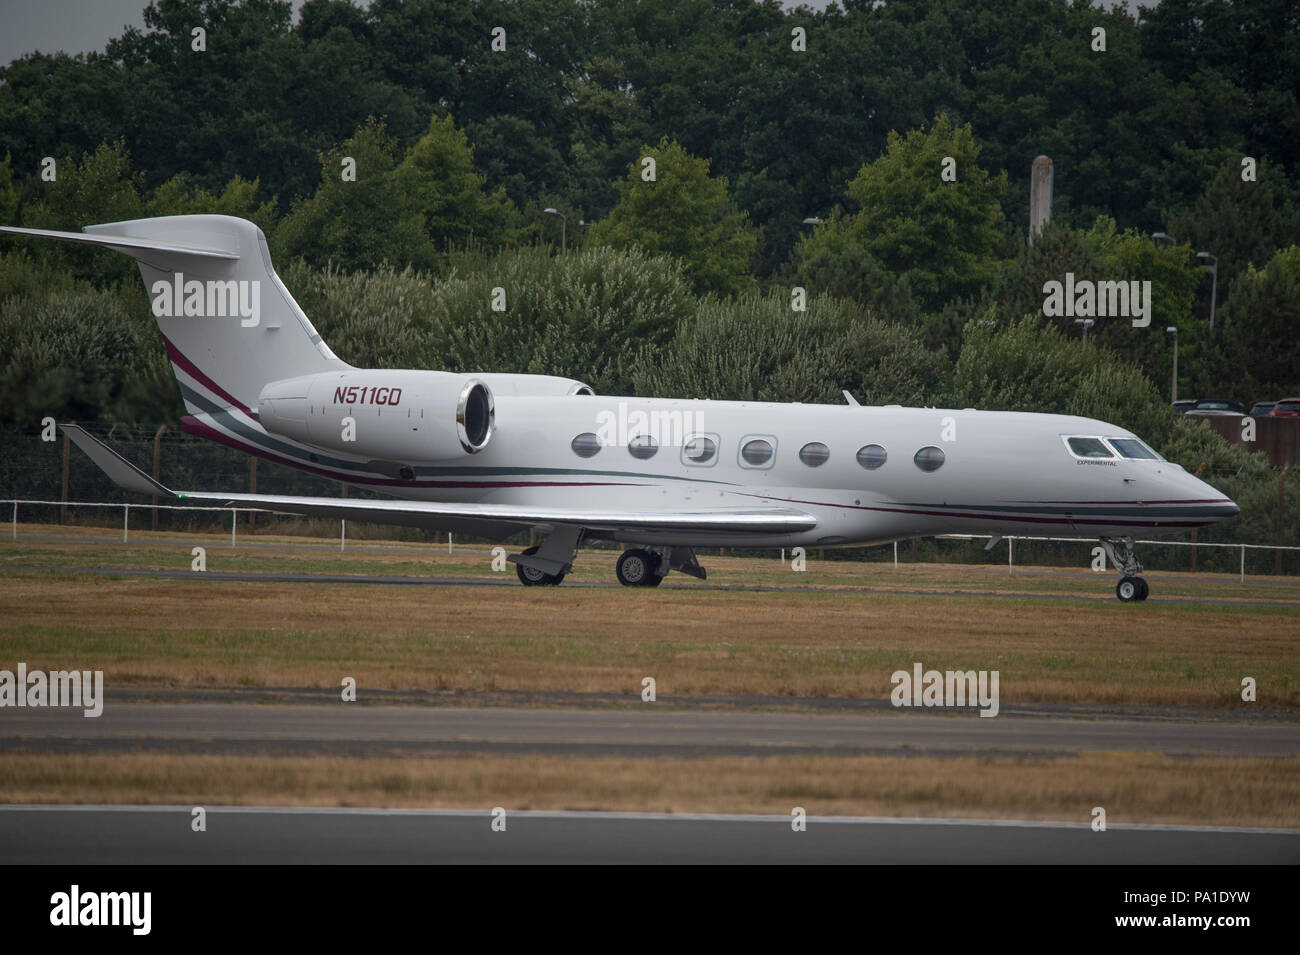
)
(547, 564)
(1131, 587)
(648, 568)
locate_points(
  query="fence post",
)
(234, 516)
(448, 543)
(157, 436)
(63, 508)
(895, 555)
(126, 516)
(343, 533)
(15, 520)
(1243, 563)
(1010, 544)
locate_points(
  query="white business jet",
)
(493, 454)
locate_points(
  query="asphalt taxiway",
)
(1104, 594)
(356, 729)
(124, 835)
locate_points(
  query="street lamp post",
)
(1173, 384)
(812, 220)
(1213, 268)
(1087, 323)
(564, 225)
(1164, 237)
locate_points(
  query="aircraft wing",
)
(490, 520)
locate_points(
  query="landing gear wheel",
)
(1144, 590)
(636, 569)
(1129, 589)
(531, 577)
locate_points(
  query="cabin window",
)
(756, 453)
(1133, 448)
(814, 454)
(872, 456)
(699, 450)
(586, 445)
(929, 459)
(642, 447)
(1089, 448)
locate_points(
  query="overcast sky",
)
(79, 26)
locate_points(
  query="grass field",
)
(1133, 787)
(835, 632)
(797, 643)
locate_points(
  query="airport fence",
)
(126, 507)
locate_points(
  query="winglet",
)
(123, 472)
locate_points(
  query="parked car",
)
(1217, 406)
(1286, 408)
(1184, 405)
(1261, 409)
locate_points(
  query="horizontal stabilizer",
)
(123, 472)
(125, 243)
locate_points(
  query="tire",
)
(1128, 589)
(635, 569)
(1144, 590)
(535, 578)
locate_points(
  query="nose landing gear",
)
(1131, 587)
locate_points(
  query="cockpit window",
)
(1089, 448)
(1133, 448)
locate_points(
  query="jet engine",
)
(413, 417)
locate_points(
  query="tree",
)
(941, 236)
(685, 213)
(179, 197)
(362, 223)
(99, 187)
(756, 348)
(1260, 350)
(437, 178)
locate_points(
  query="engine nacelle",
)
(411, 417)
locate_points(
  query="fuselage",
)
(997, 473)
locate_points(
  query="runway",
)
(163, 835)
(1105, 594)
(361, 730)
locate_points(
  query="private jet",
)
(492, 454)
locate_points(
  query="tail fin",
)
(229, 324)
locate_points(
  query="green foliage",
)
(100, 187)
(683, 213)
(8, 195)
(587, 315)
(756, 348)
(64, 355)
(939, 236)
(1029, 365)
(437, 178)
(1258, 352)
(178, 197)
(1132, 256)
(401, 213)
(357, 225)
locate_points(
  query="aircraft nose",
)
(1212, 502)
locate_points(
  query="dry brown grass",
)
(162, 632)
(1132, 787)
